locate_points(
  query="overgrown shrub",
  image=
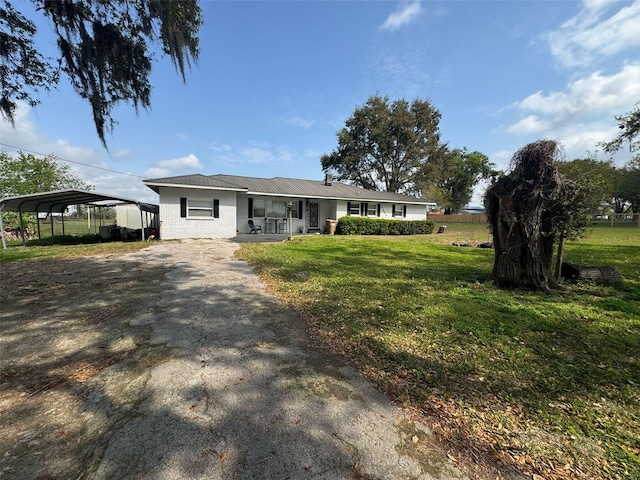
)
(68, 240)
(382, 226)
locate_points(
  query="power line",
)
(70, 161)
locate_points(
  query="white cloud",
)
(87, 163)
(581, 116)
(599, 30)
(584, 112)
(166, 168)
(529, 125)
(250, 154)
(122, 153)
(405, 14)
(402, 71)
(298, 121)
(182, 163)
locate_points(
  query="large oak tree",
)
(384, 145)
(106, 49)
(451, 181)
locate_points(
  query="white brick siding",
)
(174, 227)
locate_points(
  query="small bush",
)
(382, 226)
(68, 240)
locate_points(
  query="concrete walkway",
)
(243, 397)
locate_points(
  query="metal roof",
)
(284, 187)
(57, 201)
(195, 180)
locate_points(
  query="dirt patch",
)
(74, 359)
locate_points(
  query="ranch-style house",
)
(221, 206)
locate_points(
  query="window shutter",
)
(393, 210)
(348, 208)
(404, 211)
(299, 209)
(183, 207)
(216, 208)
(378, 210)
(250, 208)
(363, 209)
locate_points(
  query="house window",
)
(353, 208)
(273, 208)
(199, 208)
(191, 208)
(372, 209)
(399, 211)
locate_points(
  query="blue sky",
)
(277, 80)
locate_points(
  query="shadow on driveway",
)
(174, 362)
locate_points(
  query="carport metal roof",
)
(58, 201)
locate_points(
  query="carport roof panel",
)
(57, 201)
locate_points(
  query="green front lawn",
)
(544, 383)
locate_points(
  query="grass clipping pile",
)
(75, 360)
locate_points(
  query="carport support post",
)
(4, 238)
(141, 222)
(24, 242)
(38, 223)
(52, 231)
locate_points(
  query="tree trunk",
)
(522, 258)
(521, 224)
(559, 258)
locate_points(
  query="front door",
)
(313, 215)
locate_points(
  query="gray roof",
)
(195, 180)
(57, 201)
(284, 187)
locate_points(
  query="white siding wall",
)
(128, 216)
(341, 209)
(242, 212)
(174, 227)
(416, 212)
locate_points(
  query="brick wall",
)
(173, 226)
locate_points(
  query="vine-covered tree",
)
(105, 48)
(521, 207)
(384, 145)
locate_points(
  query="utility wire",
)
(70, 161)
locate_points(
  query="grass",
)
(546, 384)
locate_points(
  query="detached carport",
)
(58, 201)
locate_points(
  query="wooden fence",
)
(462, 218)
(613, 220)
